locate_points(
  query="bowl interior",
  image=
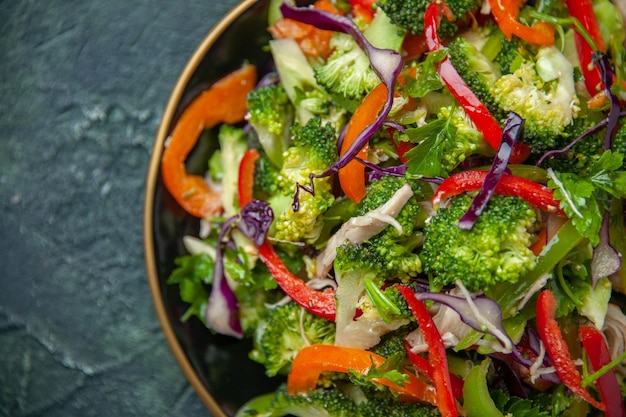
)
(218, 367)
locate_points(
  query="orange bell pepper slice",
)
(245, 184)
(506, 12)
(352, 176)
(223, 102)
(312, 360)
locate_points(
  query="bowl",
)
(217, 367)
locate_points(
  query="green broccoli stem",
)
(382, 303)
(508, 296)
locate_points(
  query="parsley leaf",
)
(585, 199)
(425, 158)
(389, 369)
(427, 75)
(193, 275)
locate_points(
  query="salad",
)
(420, 210)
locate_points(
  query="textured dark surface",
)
(82, 87)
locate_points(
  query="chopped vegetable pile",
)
(420, 210)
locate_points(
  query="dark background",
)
(83, 84)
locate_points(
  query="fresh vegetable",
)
(422, 213)
(332, 402)
(347, 74)
(283, 332)
(598, 353)
(245, 180)
(191, 191)
(506, 13)
(478, 401)
(312, 360)
(368, 249)
(583, 11)
(496, 249)
(320, 303)
(475, 109)
(312, 151)
(270, 114)
(436, 353)
(312, 41)
(509, 185)
(410, 14)
(542, 91)
(557, 349)
(352, 176)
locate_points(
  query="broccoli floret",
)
(312, 151)
(283, 332)
(389, 252)
(409, 14)
(332, 402)
(465, 139)
(265, 176)
(320, 402)
(543, 93)
(390, 407)
(347, 75)
(393, 342)
(495, 250)
(445, 142)
(583, 155)
(488, 39)
(347, 72)
(271, 114)
(298, 79)
(510, 53)
(619, 140)
(388, 255)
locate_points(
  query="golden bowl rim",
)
(148, 210)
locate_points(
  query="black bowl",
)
(217, 367)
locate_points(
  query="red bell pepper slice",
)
(506, 13)
(583, 11)
(320, 303)
(312, 360)
(191, 191)
(556, 348)
(422, 365)
(599, 355)
(474, 108)
(436, 353)
(534, 193)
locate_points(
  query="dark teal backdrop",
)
(83, 84)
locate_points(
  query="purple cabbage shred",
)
(510, 134)
(254, 222)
